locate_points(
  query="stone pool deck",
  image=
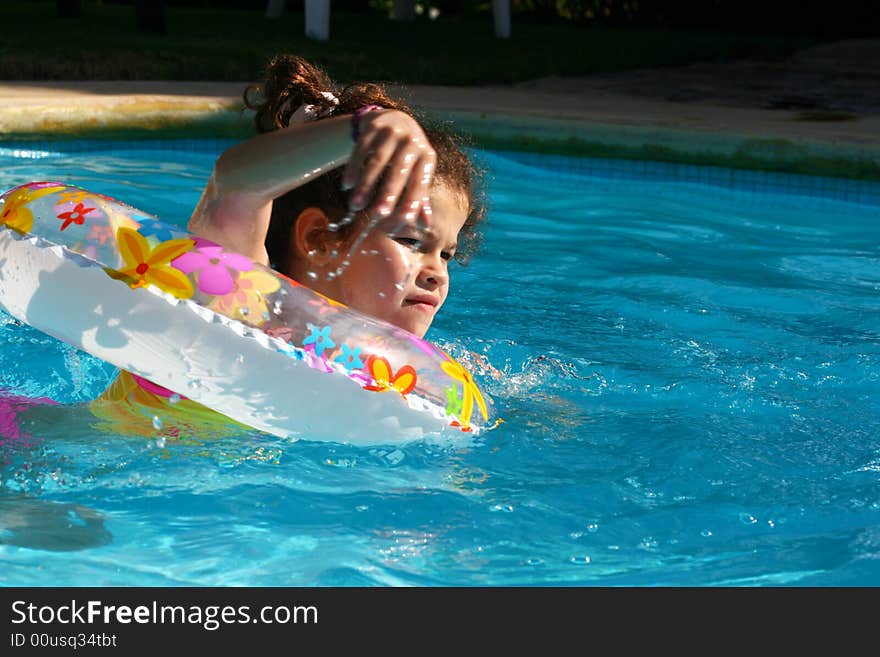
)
(815, 112)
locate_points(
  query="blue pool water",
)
(690, 389)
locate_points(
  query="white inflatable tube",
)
(219, 329)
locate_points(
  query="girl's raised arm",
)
(390, 171)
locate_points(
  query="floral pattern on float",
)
(140, 251)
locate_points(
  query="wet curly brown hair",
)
(289, 82)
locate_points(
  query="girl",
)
(345, 193)
(376, 234)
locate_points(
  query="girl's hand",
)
(391, 168)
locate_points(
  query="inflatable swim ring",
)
(189, 321)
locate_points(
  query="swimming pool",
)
(691, 396)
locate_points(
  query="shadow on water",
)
(45, 525)
(27, 521)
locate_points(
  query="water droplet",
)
(174, 398)
(244, 311)
(312, 275)
(239, 358)
(593, 527)
(649, 543)
(580, 559)
(705, 533)
(160, 442)
(157, 423)
(747, 519)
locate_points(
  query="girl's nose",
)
(433, 271)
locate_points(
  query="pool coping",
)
(583, 122)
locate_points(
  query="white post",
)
(318, 19)
(274, 8)
(501, 13)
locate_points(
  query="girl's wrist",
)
(356, 119)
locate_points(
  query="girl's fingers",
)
(359, 154)
(370, 165)
(397, 180)
(392, 148)
(416, 195)
(423, 220)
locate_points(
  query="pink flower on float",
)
(247, 302)
(100, 233)
(213, 266)
(10, 407)
(154, 388)
(316, 362)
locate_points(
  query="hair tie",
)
(356, 119)
(307, 112)
(333, 99)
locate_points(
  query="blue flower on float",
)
(320, 337)
(155, 228)
(350, 358)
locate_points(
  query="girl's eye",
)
(415, 243)
(411, 242)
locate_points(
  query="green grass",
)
(215, 44)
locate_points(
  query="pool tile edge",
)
(159, 119)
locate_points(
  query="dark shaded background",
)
(819, 18)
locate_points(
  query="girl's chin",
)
(416, 328)
(411, 318)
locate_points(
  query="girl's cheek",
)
(405, 261)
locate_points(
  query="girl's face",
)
(400, 273)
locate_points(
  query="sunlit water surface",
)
(690, 386)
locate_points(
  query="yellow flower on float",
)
(15, 214)
(471, 392)
(152, 266)
(247, 301)
(75, 197)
